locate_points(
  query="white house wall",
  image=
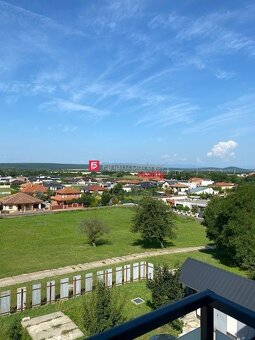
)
(230, 326)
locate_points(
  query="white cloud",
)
(221, 74)
(173, 158)
(68, 128)
(69, 106)
(223, 150)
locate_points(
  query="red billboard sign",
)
(94, 166)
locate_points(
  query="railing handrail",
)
(147, 322)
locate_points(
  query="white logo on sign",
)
(94, 165)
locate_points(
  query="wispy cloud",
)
(60, 128)
(116, 62)
(171, 158)
(239, 112)
(175, 113)
(14, 10)
(26, 88)
(68, 106)
(220, 74)
(214, 27)
(69, 129)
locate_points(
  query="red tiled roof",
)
(129, 181)
(68, 191)
(96, 188)
(195, 179)
(59, 198)
(19, 198)
(223, 184)
(33, 188)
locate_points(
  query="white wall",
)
(206, 182)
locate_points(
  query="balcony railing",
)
(206, 300)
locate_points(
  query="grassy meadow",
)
(41, 242)
(73, 308)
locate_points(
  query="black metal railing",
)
(206, 300)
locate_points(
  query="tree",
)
(94, 229)
(166, 288)
(230, 223)
(95, 199)
(85, 199)
(106, 197)
(103, 309)
(41, 196)
(15, 330)
(194, 209)
(117, 189)
(154, 220)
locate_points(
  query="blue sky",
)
(143, 81)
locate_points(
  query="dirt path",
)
(13, 280)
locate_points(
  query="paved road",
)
(13, 280)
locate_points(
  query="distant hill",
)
(43, 166)
(62, 166)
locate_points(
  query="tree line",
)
(230, 223)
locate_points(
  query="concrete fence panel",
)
(5, 302)
(21, 298)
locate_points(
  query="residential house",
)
(166, 184)
(33, 189)
(201, 190)
(196, 181)
(70, 181)
(64, 197)
(191, 203)
(200, 182)
(206, 182)
(108, 185)
(147, 185)
(179, 188)
(19, 202)
(224, 185)
(82, 181)
(172, 198)
(90, 189)
(16, 182)
(129, 181)
(54, 186)
(127, 188)
(5, 180)
(198, 276)
(23, 179)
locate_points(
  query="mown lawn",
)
(35, 243)
(73, 308)
(171, 260)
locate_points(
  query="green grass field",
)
(173, 261)
(5, 191)
(73, 308)
(36, 243)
